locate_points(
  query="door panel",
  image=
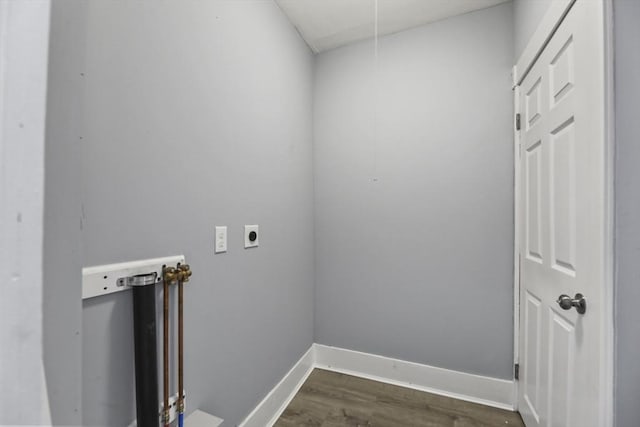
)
(533, 104)
(562, 224)
(561, 72)
(561, 374)
(533, 210)
(563, 198)
(531, 365)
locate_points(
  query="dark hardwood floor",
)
(330, 399)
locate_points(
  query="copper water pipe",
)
(169, 276)
(184, 272)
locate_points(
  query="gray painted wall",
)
(527, 15)
(195, 114)
(414, 195)
(396, 283)
(62, 263)
(627, 206)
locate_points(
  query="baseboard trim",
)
(469, 387)
(488, 391)
(275, 402)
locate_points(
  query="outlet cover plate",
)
(248, 229)
(221, 239)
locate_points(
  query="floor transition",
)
(330, 399)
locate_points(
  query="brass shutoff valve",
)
(166, 416)
(170, 275)
(184, 272)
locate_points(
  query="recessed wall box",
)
(110, 278)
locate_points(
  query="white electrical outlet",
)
(251, 236)
(221, 239)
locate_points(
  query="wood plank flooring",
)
(331, 399)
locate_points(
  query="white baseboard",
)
(472, 388)
(270, 408)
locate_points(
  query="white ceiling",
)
(327, 24)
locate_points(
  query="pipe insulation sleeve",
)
(146, 358)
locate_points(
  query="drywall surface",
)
(527, 15)
(627, 206)
(414, 195)
(195, 114)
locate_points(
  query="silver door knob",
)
(579, 302)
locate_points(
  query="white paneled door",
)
(562, 218)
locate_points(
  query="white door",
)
(562, 217)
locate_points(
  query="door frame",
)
(554, 16)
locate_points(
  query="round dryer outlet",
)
(251, 236)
